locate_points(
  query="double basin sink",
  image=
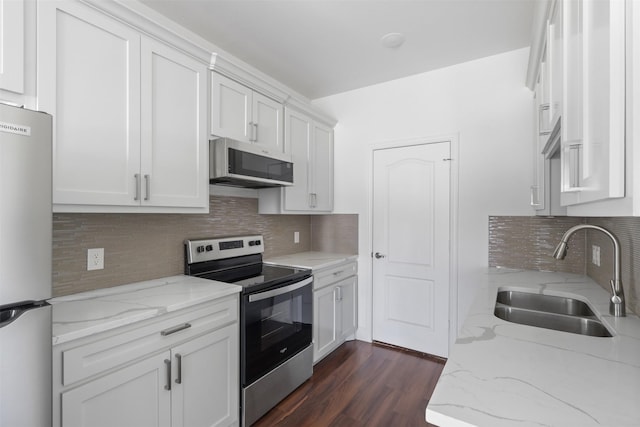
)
(549, 311)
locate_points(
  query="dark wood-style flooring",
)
(361, 384)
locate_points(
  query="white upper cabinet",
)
(593, 124)
(554, 66)
(174, 128)
(241, 113)
(12, 45)
(321, 168)
(583, 60)
(310, 144)
(89, 80)
(129, 115)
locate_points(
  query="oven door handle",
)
(279, 291)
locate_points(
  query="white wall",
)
(485, 102)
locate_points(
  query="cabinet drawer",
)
(132, 342)
(334, 274)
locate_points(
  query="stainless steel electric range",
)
(276, 312)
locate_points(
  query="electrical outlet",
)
(95, 259)
(296, 237)
(595, 255)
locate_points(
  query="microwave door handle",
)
(279, 291)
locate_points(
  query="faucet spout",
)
(617, 305)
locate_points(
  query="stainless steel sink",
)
(546, 303)
(550, 312)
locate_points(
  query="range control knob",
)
(254, 243)
(209, 248)
(200, 249)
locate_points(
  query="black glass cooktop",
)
(257, 277)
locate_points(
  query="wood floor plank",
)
(361, 384)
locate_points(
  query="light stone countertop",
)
(311, 260)
(83, 314)
(505, 374)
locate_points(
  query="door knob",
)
(378, 255)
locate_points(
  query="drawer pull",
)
(338, 273)
(175, 329)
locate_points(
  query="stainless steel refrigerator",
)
(25, 267)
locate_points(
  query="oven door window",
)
(276, 329)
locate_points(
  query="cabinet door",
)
(554, 57)
(325, 317)
(206, 380)
(230, 108)
(89, 79)
(297, 142)
(593, 123)
(174, 154)
(267, 121)
(12, 45)
(322, 168)
(134, 396)
(348, 307)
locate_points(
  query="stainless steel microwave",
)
(242, 164)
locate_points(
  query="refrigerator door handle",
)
(10, 314)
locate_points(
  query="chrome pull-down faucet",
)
(616, 303)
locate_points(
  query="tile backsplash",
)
(141, 247)
(527, 242)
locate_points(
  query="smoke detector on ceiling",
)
(392, 40)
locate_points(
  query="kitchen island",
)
(505, 374)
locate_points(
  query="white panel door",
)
(205, 389)
(89, 80)
(267, 118)
(12, 45)
(230, 108)
(131, 397)
(411, 247)
(174, 130)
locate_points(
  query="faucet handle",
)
(615, 298)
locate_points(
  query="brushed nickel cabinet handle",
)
(175, 329)
(147, 185)
(167, 363)
(137, 178)
(179, 376)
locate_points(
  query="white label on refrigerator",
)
(14, 128)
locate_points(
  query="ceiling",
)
(323, 47)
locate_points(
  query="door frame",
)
(453, 140)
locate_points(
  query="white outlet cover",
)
(296, 237)
(595, 255)
(95, 259)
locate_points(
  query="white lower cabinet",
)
(334, 308)
(132, 396)
(205, 372)
(176, 370)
